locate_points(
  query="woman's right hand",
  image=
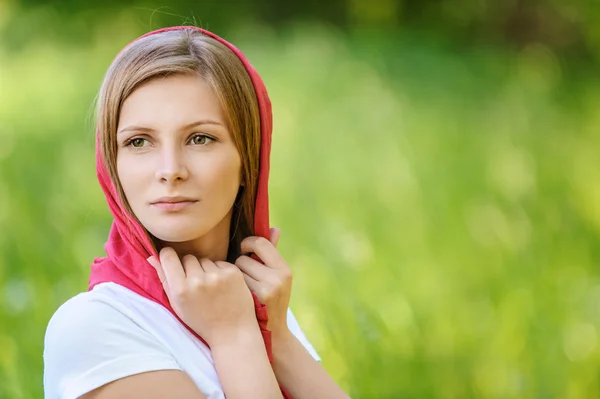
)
(212, 298)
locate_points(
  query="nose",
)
(172, 166)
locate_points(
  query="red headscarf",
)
(128, 245)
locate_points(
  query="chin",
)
(177, 233)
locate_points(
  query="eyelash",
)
(130, 141)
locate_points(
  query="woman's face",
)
(176, 160)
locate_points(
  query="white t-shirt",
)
(111, 332)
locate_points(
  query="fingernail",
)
(150, 260)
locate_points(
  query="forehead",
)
(173, 100)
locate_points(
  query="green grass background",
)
(439, 206)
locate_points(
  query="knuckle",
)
(228, 268)
(262, 242)
(232, 272)
(211, 280)
(227, 271)
(265, 292)
(286, 274)
(195, 282)
(280, 280)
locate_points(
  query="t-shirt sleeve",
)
(297, 331)
(89, 343)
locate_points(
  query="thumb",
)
(275, 234)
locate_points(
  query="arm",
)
(152, 385)
(295, 369)
(228, 323)
(300, 374)
(241, 362)
(243, 366)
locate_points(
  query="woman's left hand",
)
(271, 281)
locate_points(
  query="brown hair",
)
(188, 52)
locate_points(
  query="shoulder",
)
(74, 322)
(87, 318)
(82, 313)
(90, 341)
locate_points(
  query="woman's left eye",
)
(201, 139)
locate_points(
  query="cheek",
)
(129, 177)
(227, 176)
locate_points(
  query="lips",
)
(174, 199)
(173, 203)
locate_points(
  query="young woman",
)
(192, 298)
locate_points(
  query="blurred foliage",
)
(569, 27)
(439, 202)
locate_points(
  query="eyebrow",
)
(189, 125)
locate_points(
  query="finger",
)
(263, 248)
(191, 266)
(251, 283)
(159, 271)
(275, 235)
(221, 264)
(172, 267)
(252, 268)
(229, 267)
(208, 265)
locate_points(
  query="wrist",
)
(280, 331)
(282, 342)
(241, 335)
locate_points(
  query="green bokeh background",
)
(436, 173)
